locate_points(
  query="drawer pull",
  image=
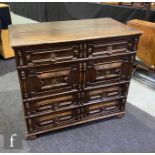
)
(106, 73)
(44, 108)
(52, 57)
(55, 106)
(117, 70)
(109, 48)
(95, 111)
(113, 93)
(104, 94)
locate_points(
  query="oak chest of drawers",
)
(72, 72)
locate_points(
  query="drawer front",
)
(103, 108)
(110, 69)
(107, 48)
(48, 54)
(107, 71)
(105, 92)
(52, 103)
(44, 80)
(52, 120)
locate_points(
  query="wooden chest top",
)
(67, 31)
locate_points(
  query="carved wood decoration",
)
(76, 81)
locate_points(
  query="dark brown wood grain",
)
(83, 79)
(65, 31)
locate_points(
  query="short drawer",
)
(51, 103)
(106, 48)
(105, 92)
(50, 79)
(52, 120)
(46, 55)
(103, 108)
(110, 69)
(107, 71)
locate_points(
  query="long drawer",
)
(59, 101)
(67, 52)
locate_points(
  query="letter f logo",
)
(12, 140)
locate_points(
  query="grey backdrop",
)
(46, 11)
